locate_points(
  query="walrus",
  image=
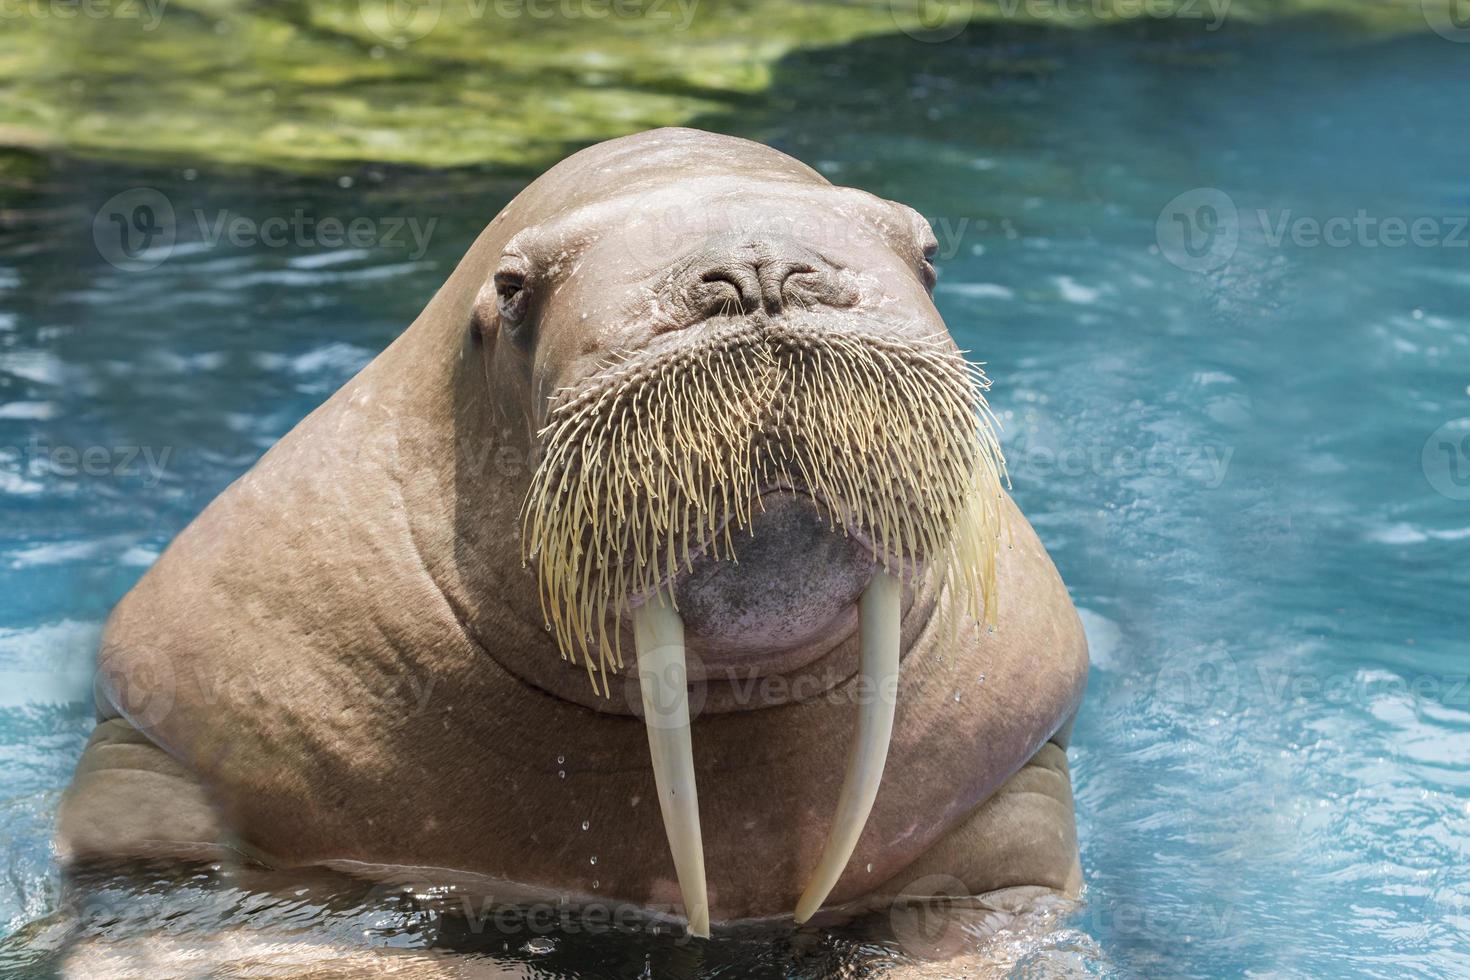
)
(665, 559)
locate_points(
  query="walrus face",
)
(752, 433)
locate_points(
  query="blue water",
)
(1245, 449)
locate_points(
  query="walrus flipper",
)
(130, 800)
(1024, 837)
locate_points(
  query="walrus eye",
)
(511, 296)
(917, 232)
(927, 273)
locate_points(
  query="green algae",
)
(322, 86)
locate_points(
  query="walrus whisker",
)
(895, 435)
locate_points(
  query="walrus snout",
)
(735, 274)
(795, 578)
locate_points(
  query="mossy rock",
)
(329, 85)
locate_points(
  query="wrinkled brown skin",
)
(343, 660)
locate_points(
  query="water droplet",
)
(586, 824)
(594, 883)
(957, 697)
(870, 869)
(561, 774)
(560, 759)
(594, 859)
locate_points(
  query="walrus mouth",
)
(662, 454)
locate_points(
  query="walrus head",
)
(751, 428)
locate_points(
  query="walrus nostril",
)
(735, 288)
(773, 276)
(758, 282)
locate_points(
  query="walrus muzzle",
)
(663, 456)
